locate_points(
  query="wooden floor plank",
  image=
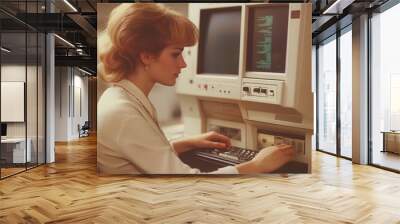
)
(70, 191)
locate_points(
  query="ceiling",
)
(76, 25)
(333, 15)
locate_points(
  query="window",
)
(334, 94)
(327, 96)
(346, 93)
(385, 88)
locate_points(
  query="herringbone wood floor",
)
(69, 191)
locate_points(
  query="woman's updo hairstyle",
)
(134, 28)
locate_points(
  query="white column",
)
(360, 90)
(50, 99)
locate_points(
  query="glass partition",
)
(327, 96)
(22, 89)
(13, 105)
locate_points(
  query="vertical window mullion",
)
(26, 87)
(37, 90)
(338, 72)
(317, 96)
(369, 89)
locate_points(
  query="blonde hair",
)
(134, 28)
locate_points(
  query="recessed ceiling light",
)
(64, 40)
(70, 5)
(84, 71)
(337, 7)
(5, 50)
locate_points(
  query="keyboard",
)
(232, 156)
(208, 160)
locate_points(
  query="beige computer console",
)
(250, 75)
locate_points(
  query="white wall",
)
(12, 73)
(70, 83)
(33, 126)
(61, 103)
(79, 117)
(82, 82)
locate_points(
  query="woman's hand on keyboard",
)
(268, 159)
(210, 139)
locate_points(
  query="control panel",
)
(270, 92)
(218, 88)
(266, 140)
(215, 88)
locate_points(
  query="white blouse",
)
(129, 139)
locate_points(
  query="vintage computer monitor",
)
(249, 77)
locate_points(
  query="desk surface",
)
(390, 132)
(13, 140)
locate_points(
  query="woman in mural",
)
(141, 46)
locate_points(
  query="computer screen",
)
(219, 42)
(267, 38)
(3, 129)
